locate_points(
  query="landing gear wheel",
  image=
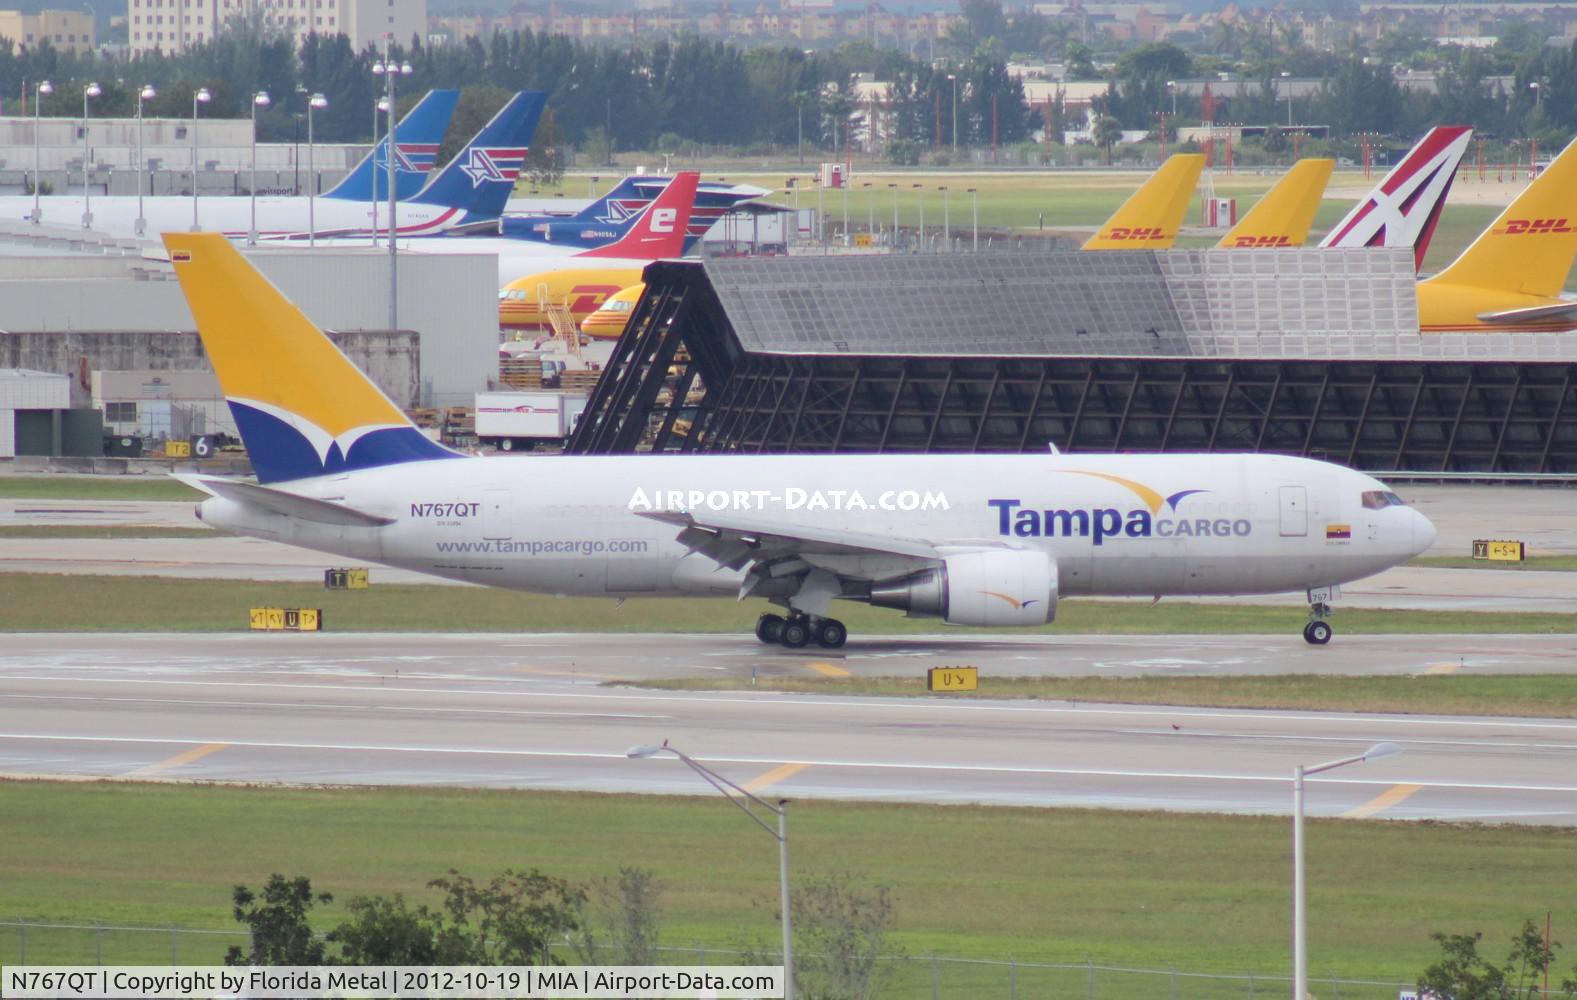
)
(1317, 633)
(831, 633)
(769, 629)
(795, 633)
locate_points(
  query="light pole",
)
(845, 185)
(1300, 929)
(44, 90)
(734, 794)
(380, 104)
(894, 189)
(259, 100)
(919, 195)
(953, 78)
(1171, 86)
(199, 97)
(947, 220)
(1287, 78)
(388, 69)
(147, 93)
(88, 90)
(870, 209)
(1538, 95)
(315, 102)
(974, 221)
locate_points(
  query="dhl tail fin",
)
(1529, 248)
(302, 407)
(1283, 216)
(1150, 218)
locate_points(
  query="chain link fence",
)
(25, 942)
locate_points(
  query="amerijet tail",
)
(660, 230)
(1511, 276)
(1150, 218)
(416, 142)
(1283, 216)
(476, 184)
(303, 409)
(1404, 208)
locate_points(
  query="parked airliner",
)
(985, 540)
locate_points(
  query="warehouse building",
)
(1303, 352)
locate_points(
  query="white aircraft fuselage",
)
(1112, 525)
(116, 215)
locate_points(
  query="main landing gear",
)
(1318, 631)
(798, 631)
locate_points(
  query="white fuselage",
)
(1212, 524)
(116, 215)
(516, 258)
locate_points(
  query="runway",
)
(509, 711)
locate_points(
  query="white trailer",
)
(516, 420)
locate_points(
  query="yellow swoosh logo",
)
(1151, 498)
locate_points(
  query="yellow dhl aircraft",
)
(1510, 278)
(1150, 218)
(1283, 216)
(608, 321)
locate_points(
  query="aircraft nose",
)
(1423, 533)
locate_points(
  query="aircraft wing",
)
(739, 541)
(1532, 314)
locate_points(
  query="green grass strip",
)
(1539, 695)
(1201, 892)
(1560, 563)
(101, 531)
(96, 488)
(67, 603)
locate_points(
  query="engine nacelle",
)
(999, 588)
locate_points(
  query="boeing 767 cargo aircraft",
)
(985, 540)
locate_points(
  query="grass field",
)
(1199, 892)
(1556, 563)
(64, 603)
(1539, 695)
(101, 531)
(96, 488)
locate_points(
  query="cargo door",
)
(1294, 511)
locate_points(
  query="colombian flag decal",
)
(1338, 532)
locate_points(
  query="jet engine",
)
(995, 588)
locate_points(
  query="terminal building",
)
(1302, 352)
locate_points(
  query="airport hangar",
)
(1304, 352)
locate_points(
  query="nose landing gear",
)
(798, 631)
(1318, 631)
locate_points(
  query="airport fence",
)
(939, 977)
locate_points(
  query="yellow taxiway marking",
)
(782, 772)
(548, 672)
(1385, 800)
(828, 669)
(184, 757)
(1442, 668)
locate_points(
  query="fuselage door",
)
(1294, 511)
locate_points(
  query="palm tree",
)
(1106, 132)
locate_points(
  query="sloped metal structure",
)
(1305, 352)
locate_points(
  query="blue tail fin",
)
(480, 179)
(603, 221)
(417, 138)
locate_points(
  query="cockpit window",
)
(1381, 499)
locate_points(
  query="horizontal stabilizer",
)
(285, 504)
(1532, 314)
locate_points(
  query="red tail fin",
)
(1403, 209)
(660, 231)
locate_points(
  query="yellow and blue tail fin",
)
(1283, 216)
(1151, 216)
(1530, 247)
(303, 409)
